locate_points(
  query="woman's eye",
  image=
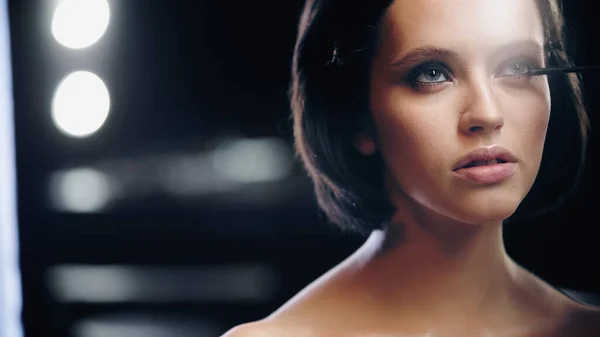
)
(428, 75)
(431, 76)
(516, 69)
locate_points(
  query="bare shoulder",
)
(307, 314)
(560, 312)
(254, 329)
(582, 318)
(273, 328)
(584, 321)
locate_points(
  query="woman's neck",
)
(430, 264)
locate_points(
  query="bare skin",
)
(440, 268)
(352, 300)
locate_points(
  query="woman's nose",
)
(481, 111)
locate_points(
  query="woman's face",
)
(445, 81)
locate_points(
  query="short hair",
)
(329, 96)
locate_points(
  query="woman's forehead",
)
(460, 24)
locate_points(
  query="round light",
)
(80, 23)
(82, 190)
(80, 105)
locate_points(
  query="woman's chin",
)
(487, 214)
(485, 208)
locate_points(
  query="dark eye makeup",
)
(431, 74)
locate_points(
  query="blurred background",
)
(157, 188)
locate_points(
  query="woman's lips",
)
(487, 174)
(494, 152)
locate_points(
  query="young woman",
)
(425, 125)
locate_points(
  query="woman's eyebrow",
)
(421, 53)
(527, 46)
(430, 51)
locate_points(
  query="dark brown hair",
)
(330, 103)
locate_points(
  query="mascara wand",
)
(564, 70)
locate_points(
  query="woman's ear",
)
(365, 144)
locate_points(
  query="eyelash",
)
(529, 64)
(424, 67)
(444, 70)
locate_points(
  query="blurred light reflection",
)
(118, 283)
(240, 170)
(141, 325)
(81, 190)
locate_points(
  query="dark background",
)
(182, 74)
